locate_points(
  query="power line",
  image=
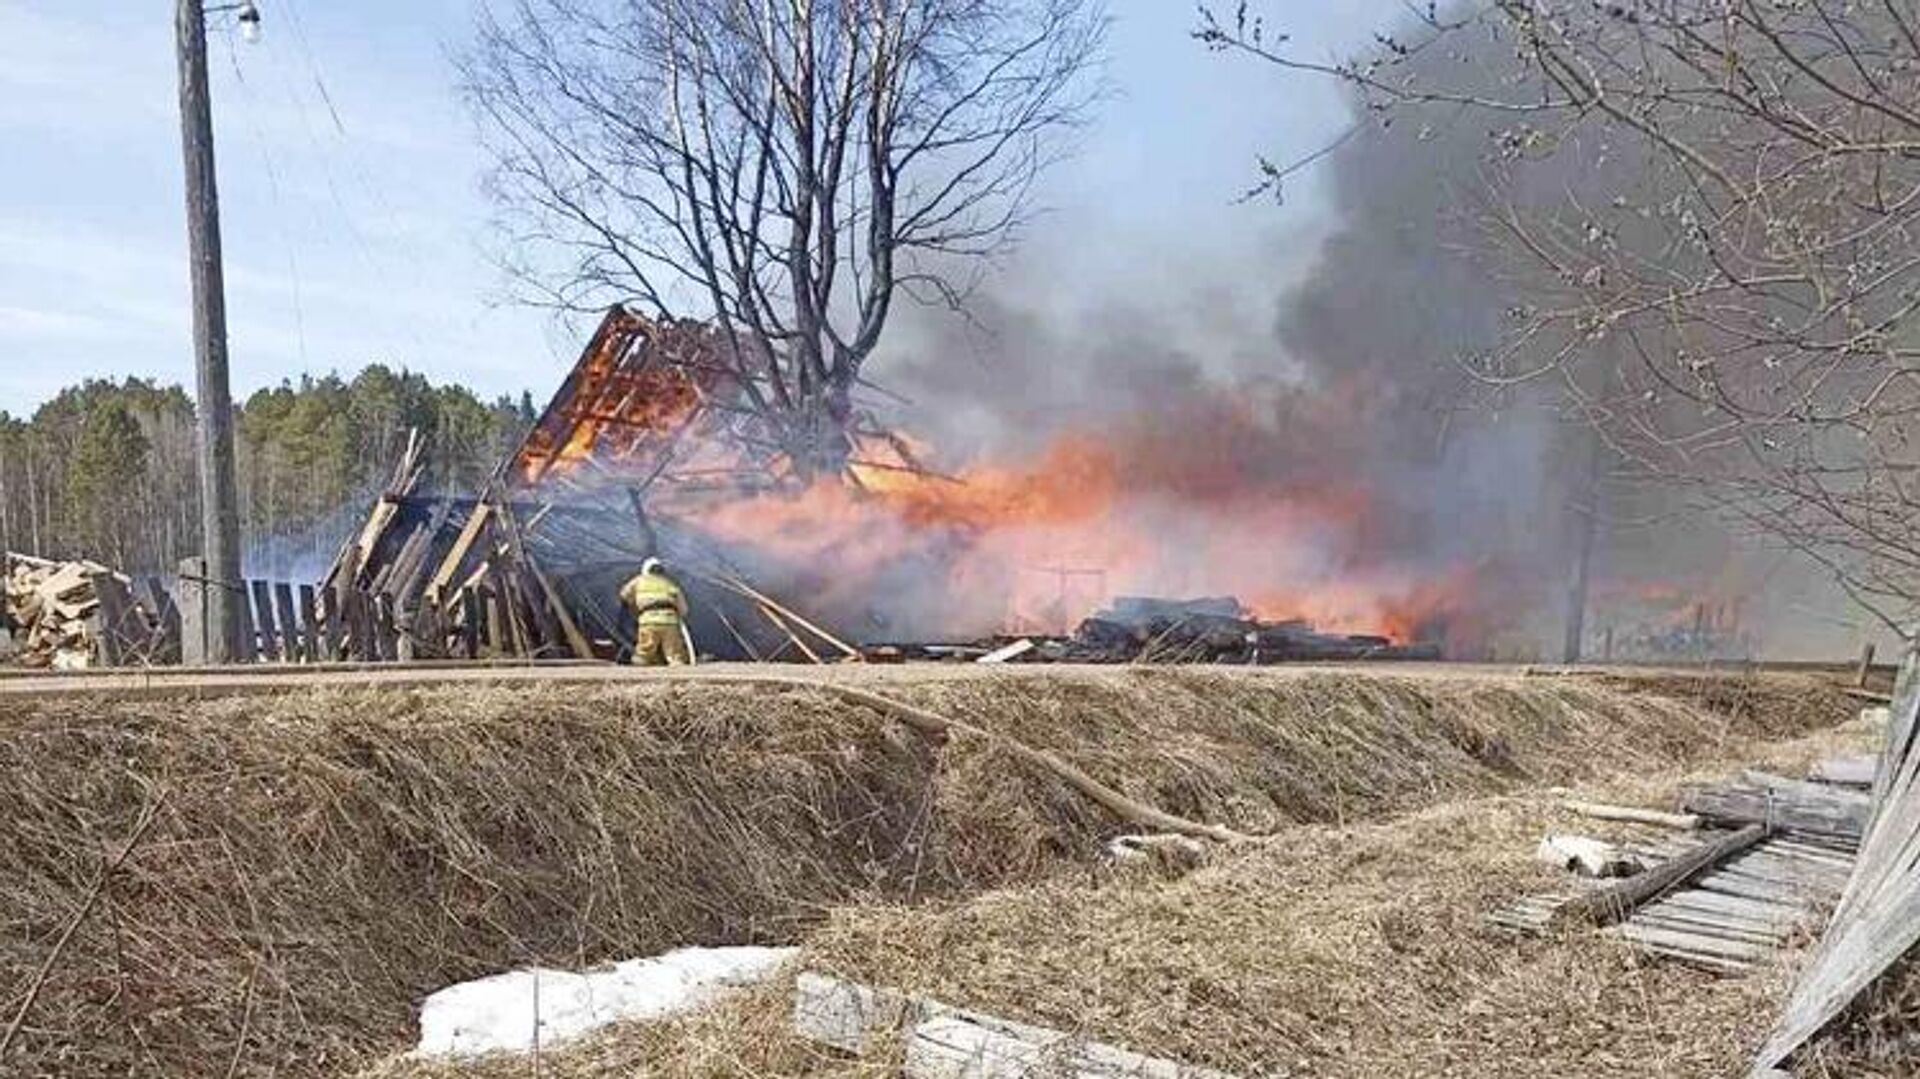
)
(288, 245)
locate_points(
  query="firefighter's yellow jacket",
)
(655, 599)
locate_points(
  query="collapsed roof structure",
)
(657, 420)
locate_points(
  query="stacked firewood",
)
(73, 615)
(47, 609)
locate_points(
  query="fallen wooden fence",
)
(1878, 919)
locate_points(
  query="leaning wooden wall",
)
(1878, 918)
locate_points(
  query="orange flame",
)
(1147, 508)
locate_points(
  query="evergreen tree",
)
(109, 460)
(106, 470)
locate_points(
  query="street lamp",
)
(247, 15)
(249, 23)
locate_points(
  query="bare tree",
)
(1724, 274)
(781, 167)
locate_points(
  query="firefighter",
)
(659, 608)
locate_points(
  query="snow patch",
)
(498, 1014)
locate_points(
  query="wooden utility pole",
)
(219, 511)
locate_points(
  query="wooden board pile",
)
(79, 614)
(1726, 899)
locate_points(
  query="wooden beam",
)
(1813, 808)
(768, 604)
(745, 646)
(272, 645)
(1613, 902)
(576, 640)
(450, 564)
(1600, 811)
(293, 642)
(773, 617)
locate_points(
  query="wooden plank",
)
(1800, 790)
(1612, 902)
(249, 650)
(1731, 908)
(310, 628)
(1857, 772)
(1763, 873)
(403, 572)
(1012, 651)
(1678, 950)
(272, 646)
(793, 637)
(1748, 888)
(1697, 943)
(1792, 871)
(450, 564)
(409, 586)
(1790, 845)
(360, 628)
(1707, 925)
(1757, 910)
(340, 604)
(292, 645)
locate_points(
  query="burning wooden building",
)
(664, 440)
(654, 424)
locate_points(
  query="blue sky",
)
(355, 228)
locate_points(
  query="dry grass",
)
(1352, 951)
(324, 859)
(1332, 951)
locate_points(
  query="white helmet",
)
(651, 565)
